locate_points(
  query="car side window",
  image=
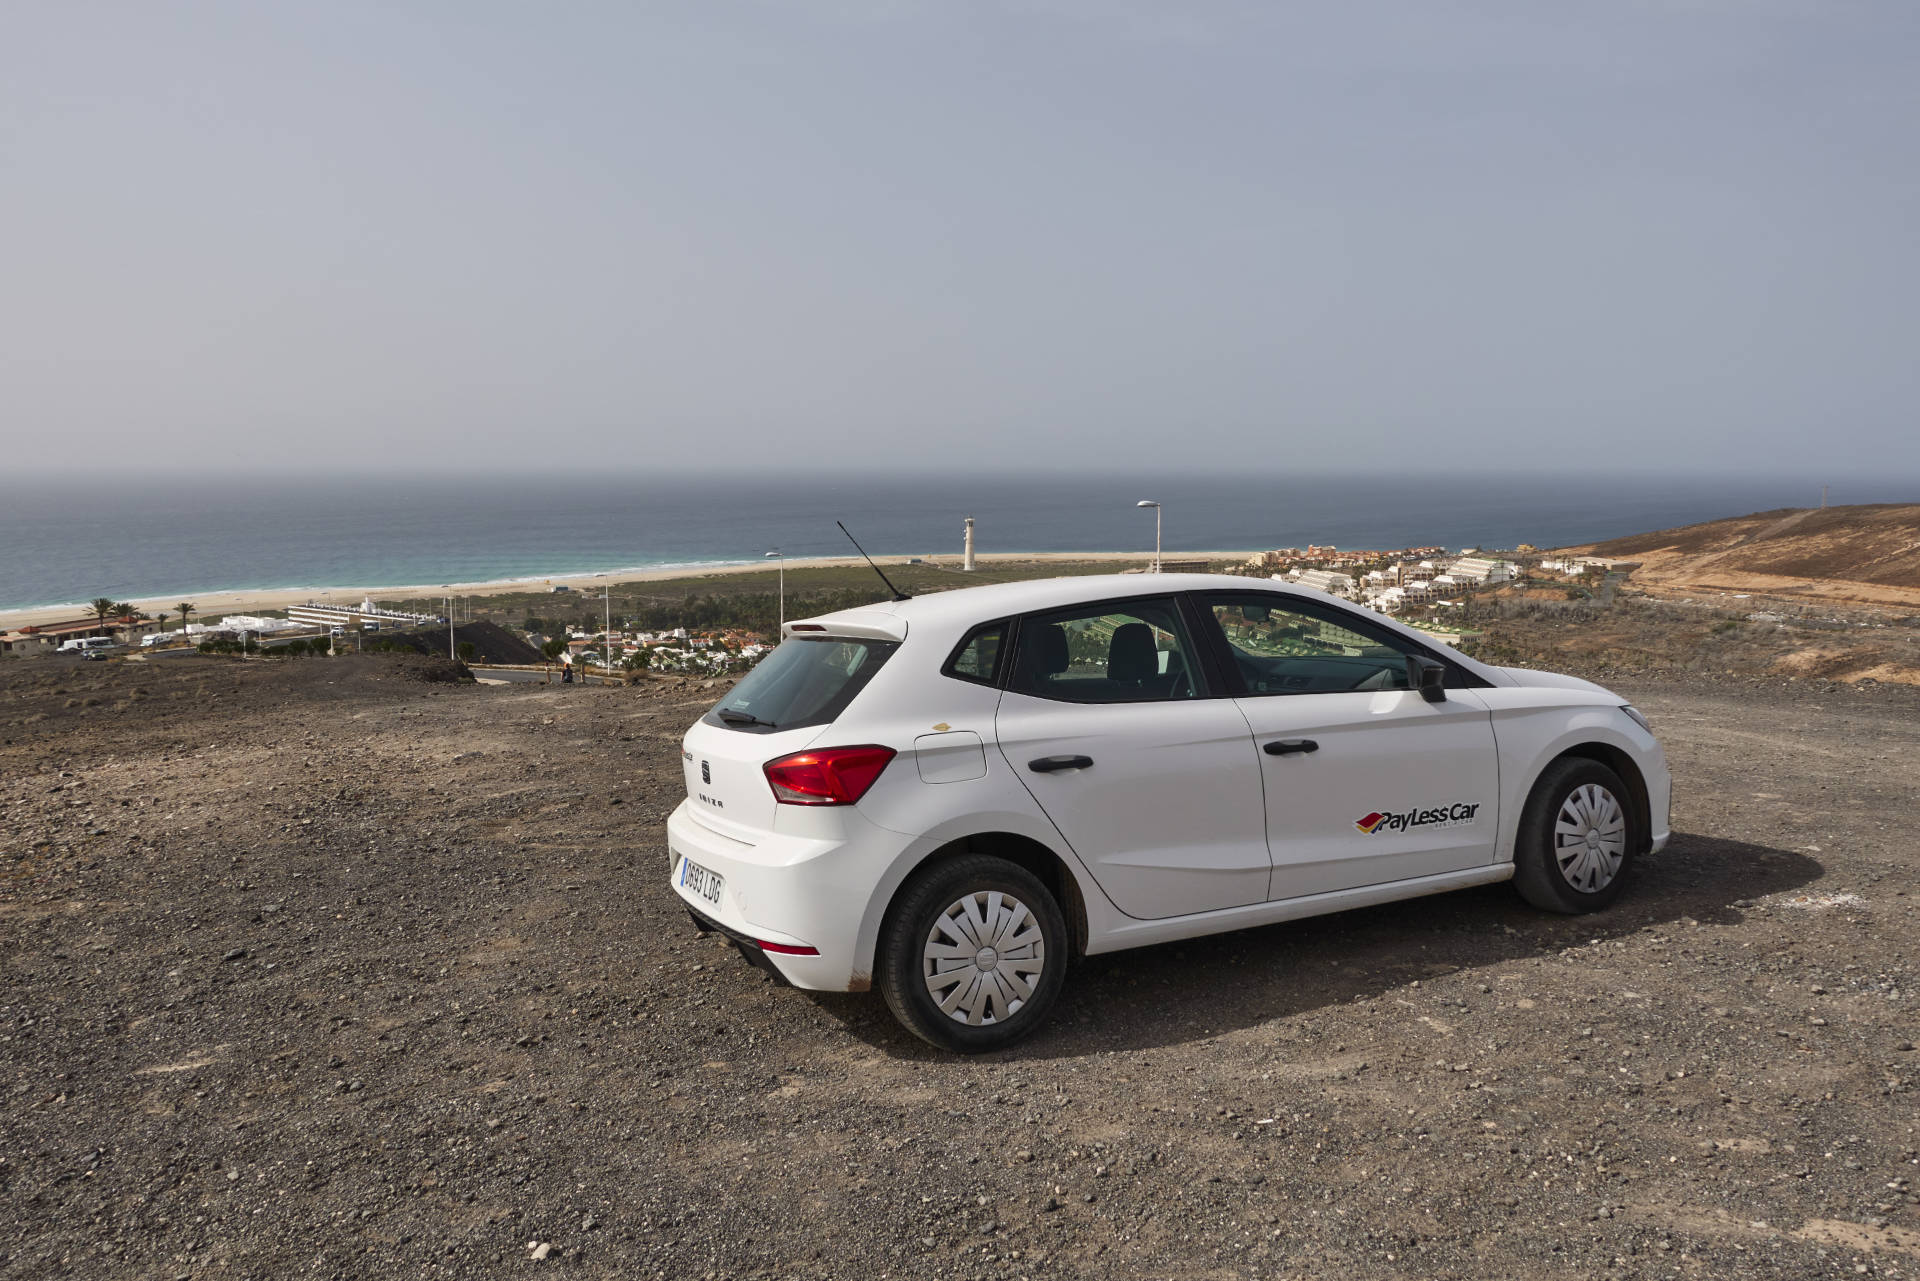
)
(1137, 652)
(1279, 647)
(978, 658)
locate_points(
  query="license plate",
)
(702, 882)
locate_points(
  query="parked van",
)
(85, 645)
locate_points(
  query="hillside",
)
(492, 643)
(1862, 555)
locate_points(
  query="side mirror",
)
(1429, 676)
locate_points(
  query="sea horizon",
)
(71, 538)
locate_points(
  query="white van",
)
(86, 645)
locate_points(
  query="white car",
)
(954, 796)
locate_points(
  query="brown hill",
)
(1865, 555)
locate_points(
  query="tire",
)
(1575, 843)
(938, 918)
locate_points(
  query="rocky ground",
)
(322, 968)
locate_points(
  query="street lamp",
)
(1148, 502)
(776, 555)
(606, 640)
(449, 591)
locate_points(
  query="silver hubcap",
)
(1590, 838)
(983, 958)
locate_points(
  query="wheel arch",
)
(1021, 850)
(1639, 808)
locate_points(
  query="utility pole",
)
(1823, 498)
(450, 654)
(606, 645)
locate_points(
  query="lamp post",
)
(776, 555)
(451, 657)
(606, 638)
(1148, 502)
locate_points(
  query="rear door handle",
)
(1289, 746)
(1048, 764)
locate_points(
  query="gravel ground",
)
(322, 968)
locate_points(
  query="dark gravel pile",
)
(307, 969)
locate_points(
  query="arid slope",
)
(1867, 555)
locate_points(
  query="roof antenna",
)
(897, 593)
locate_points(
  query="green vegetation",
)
(750, 601)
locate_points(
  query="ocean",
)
(68, 540)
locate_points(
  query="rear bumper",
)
(791, 891)
(748, 947)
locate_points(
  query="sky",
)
(1019, 234)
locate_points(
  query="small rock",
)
(237, 954)
(541, 1250)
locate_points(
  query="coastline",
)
(211, 605)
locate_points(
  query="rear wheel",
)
(1575, 839)
(973, 954)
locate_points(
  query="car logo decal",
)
(1458, 814)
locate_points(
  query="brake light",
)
(832, 776)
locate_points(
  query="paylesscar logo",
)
(1459, 814)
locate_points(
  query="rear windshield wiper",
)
(732, 717)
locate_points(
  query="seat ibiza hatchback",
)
(953, 797)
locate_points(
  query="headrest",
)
(1049, 649)
(1131, 656)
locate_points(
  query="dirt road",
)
(315, 968)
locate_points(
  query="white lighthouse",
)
(966, 562)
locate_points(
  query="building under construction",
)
(356, 616)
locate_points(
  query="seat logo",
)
(706, 772)
(1458, 814)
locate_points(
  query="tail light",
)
(831, 776)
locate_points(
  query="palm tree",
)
(102, 608)
(185, 607)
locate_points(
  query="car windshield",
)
(806, 681)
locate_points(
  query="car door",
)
(1366, 781)
(1150, 778)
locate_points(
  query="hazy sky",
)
(1051, 232)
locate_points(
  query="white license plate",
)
(701, 881)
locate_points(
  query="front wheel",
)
(974, 954)
(1575, 839)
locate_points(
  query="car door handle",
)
(1048, 764)
(1289, 746)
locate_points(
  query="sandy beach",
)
(212, 605)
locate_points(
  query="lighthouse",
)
(966, 562)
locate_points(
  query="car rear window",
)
(806, 681)
(978, 658)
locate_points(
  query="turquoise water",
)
(67, 540)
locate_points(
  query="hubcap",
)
(1590, 838)
(983, 957)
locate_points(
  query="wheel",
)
(1574, 842)
(973, 954)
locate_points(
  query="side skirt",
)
(1144, 933)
